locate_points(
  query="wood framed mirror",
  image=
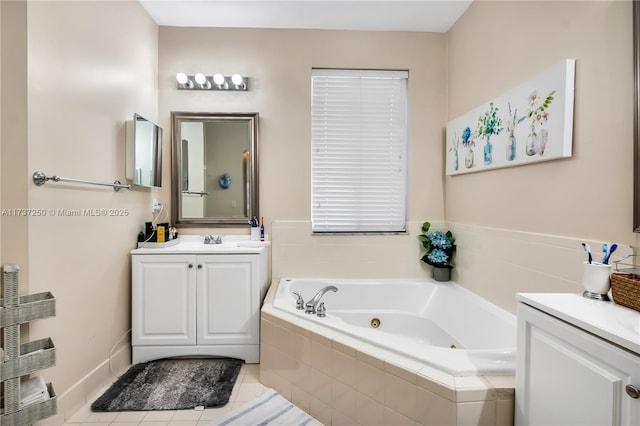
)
(214, 172)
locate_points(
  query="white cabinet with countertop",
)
(195, 299)
(578, 362)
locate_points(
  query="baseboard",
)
(90, 386)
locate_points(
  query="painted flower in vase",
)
(455, 147)
(488, 125)
(537, 142)
(511, 129)
(439, 247)
(467, 142)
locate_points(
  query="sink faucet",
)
(212, 239)
(310, 307)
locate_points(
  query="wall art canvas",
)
(530, 123)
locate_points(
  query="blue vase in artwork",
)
(488, 152)
(511, 147)
(455, 164)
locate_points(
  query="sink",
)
(195, 244)
(201, 246)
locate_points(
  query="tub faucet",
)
(310, 307)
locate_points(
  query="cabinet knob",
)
(190, 265)
(199, 266)
(632, 391)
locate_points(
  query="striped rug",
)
(270, 408)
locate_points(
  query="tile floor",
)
(247, 387)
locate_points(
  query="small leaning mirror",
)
(214, 169)
(144, 152)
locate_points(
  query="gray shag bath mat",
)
(172, 384)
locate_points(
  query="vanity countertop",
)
(607, 320)
(194, 244)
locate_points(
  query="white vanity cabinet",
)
(197, 304)
(578, 362)
(163, 301)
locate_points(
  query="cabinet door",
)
(163, 300)
(228, 306)
(566, 376)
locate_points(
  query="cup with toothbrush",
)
(596, 277)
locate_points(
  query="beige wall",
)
(519, 229)
(86, 68)
(279, 63)
(14, 132)
(496, 46)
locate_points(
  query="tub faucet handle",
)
(299, 300)
(321, 311)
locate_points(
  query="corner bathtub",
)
(442, 325)
(341, 370)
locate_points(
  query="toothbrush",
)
(605, 250)
(586, 248)
(612, 248)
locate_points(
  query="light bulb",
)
(236, 79)
(218, 79)
(200, 78)
(182, 78)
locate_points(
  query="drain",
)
(375, 323)
(453, 347)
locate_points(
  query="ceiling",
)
(389, 15)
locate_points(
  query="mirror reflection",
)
(214, 168)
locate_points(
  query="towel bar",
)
(39, 178)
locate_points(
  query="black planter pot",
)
(442, 274)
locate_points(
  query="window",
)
(359, 151)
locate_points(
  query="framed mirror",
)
(636, 116)
(214, 172)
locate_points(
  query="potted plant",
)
(440, 247)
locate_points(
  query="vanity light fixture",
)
(216, 82)
(183, 81)
(220, 81)
(201, 79)
(239, 82)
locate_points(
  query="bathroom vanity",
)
(578, 362)
(196, 299)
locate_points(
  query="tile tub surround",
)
(340, 380)
(497, 264)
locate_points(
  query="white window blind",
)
(359, 150)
